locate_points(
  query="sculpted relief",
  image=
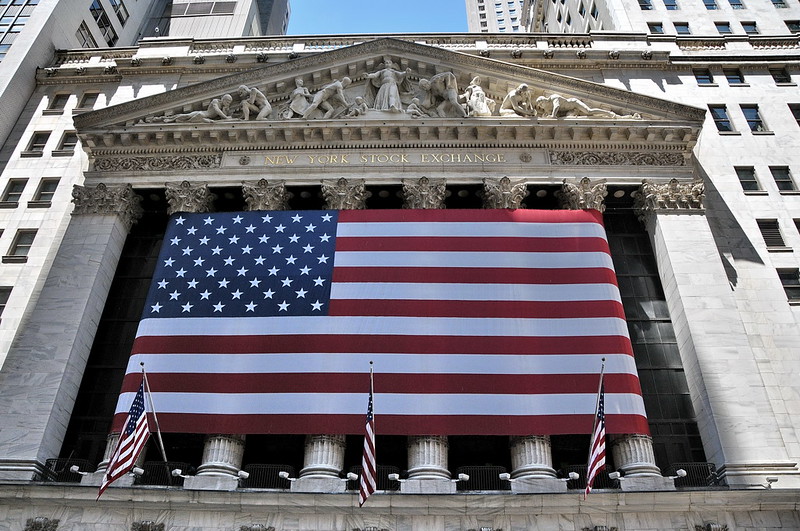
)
(389, 92)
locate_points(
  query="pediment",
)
(395, 72)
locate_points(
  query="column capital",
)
(674, 196)
(503, 193)
(424, 193)
(188, 197)
(119, 201)
(345, 195)
(583, 194)
(263, 195)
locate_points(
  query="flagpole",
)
(594, 422)
(372, 390)
(153, 410)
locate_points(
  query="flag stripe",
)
(389, 291)
(474, 275)
(466, 244)
(522, 260)
(486, 309)
(557, 219)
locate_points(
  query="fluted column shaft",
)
(222, 455)
(633, 455)
(324, 456)
(531, 457)
(427, 457)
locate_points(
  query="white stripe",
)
(356, 363)
(392, 404)
(472, 229)
(517, 260)
(407, 326)
(475, 292)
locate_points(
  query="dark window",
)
(724, 28)
(682, 28)
(719, 113)
(88, 100)
(13, 191)
(734, 76)
(120, 10)
(779, 3)
(710, 4)
(750, 28)
(582, 9)
(595, 12)
(38, 141)
(22, 243)
(783, 177)
(747, 178)
(795, 110)
(46, 191)
(103, 22)
(68, 142)
(790, 279)
(84, 36)
(656, 28)
(771, 232)
(671, 5)
(226, 8)
(736, 4)
(704, 77)
(793, 25)
(200, 8)
(753, 117)
(58, 102)
(780, 75)
(5, 293)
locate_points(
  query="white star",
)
(175, 241)
(208, 221)
(287, 282)
(187, 307)
(236, 294)
(324, 238)
(305, 270)
(266, 219)
(155, 308)
(179, 220)
(218, 307)
(192, 283)
(230, 260)
(250, 228)
(323, 259)
(326, 217)
(224, 283)
(294, 238)
(191, 230)
(263, 238)
(168, 262)
(221, 230)
(290, 260)
(260, 260)
(237, 219)
(205, 295)
(242, 272)
(246, 249)
(284, 306)
(162, 284)
(280, 228)
(316, 305)
(254, 283)
(296, 218)
(251, 307)
(199, 261)
(174, 295)
(319, 281)
(273, 271)
(277, 249)
(301, 294)
(310, 228)
(268, 294)
(204, 240)
(211, 272)
(233, 239)
(216, 250)
(180, 272)
(308, 248)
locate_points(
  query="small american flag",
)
(131, 442)
(367, 485)
(597, 452)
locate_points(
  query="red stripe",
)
(394, 424)
(396, 344)
(475, 275)
(468, 215)
(507, 309)
(523, 384)
(463, 244)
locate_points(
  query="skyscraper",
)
(495, 16)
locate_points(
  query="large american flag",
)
(482, 321)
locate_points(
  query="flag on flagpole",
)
(367, 485)
(597, 448)
(131, 442)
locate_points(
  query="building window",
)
(682, 28)
(12, 193)
(780, 76)
(20, 247)
(671, 5)
(710, 4)
(747, 178)
(44, 194)
(719, 113)
(753, 117)
(790, 280)
(103, 22)
(656, 28)
(734, 76)
(88, 100)
(582, 10)
(793, 25)
(750, 28)
(84, 36)
(57, 104)
(771, 232)
(120, 10)
(5, 293)
(795, 110)
(569, 19)
(37, 144)
(595, 12)
(779, 4)
(67, 144)
(704, 77)
(783, 178)
(723, 28)
(736, 4)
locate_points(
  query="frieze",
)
(103, 200)
(616, 158)
(164, 163)
(41, 523)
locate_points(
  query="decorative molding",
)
(711, 526)
(256, 527)
(263, 195)
(616, 158)
(599, 528)
(165, 163)
(345, 195)
(147, 525)
(102, 200)
(188, 197)
(40, 523)
(672, 196)
(424, 193)
(503, 193)
(584, 194)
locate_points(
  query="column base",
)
(427, 486)
(319, 485)
(24, 470)
(646, 483)
(538, 486)
(209, 482)
(95, 479)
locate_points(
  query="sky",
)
(325, 17)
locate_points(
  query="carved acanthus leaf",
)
(177, 162)
(711, 526)
(583, 195)
(187, 197)
(344, 194)
(424, 193)
(265, 196)
(616, 158)
(672, 196)
(503, 193)
(103, 200)
(256, 527)
(147, 525)
(40, 523)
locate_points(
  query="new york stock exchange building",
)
(488, 224)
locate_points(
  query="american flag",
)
(597, 447)
(131, 442)
(367, 483)
(485, 322)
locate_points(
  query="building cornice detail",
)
(583, 194)
(263, 195)
(504, 193)
(424, 193)
(157, 163)
(342, 194)
(188, 197)
(669, 197)
(618, 158)
(105, 200)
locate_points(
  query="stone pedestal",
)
(324, 459)
(538, 486)
(96, 478)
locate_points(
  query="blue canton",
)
(244, 264)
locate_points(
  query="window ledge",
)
(779, 249)
(794, 302)
(763, 133)
(31, 153)
(708, 84)
(756, 192)
(730, 133)
(738, 84)
(790, 192)
(786, 84)
(52, 112)
(79, 110)
(62, 152)
(40, 204)
(13, 259)
(9, 204)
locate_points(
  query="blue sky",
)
(317, 17)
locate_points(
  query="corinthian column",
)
(503, 193)
(188, 197)
(222, 455)
(633, 455)
(583, 195)
(345, 195)
(323, 460)
(424, 193)
(263, 195)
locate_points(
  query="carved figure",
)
(253, 100)
(219, 108)
(518, 102)
(477, 102)
(382, 91)
(299, 100)
(359, 108)
(332, 91)
(440, 96)
(557, 106)
(414, 110)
